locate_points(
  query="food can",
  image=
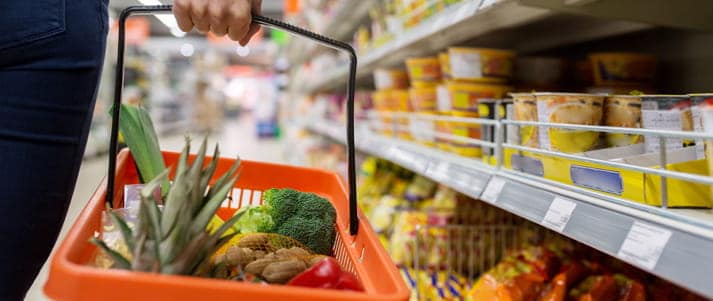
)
(613, 68)
(622, 111)
(525, 109)
(494, 109)
(481, 64)
(465, 95)
(390, 79)
(425, 69)
(423, 99)
(570, 108)
(466, 130)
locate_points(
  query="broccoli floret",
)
(314, 206)
(281, 204)
(313, 233)
(306, 217)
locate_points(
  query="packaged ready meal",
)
(481, 64)
(525, 109)
(465, 95)
(622, 111)
(570, 108)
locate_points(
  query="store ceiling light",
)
(167, 20)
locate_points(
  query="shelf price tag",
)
(493, 190)
(559, 213)
(644, 244)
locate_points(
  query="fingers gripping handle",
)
(325, 41)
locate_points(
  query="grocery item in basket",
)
(423, 99)
(622, 111)
(425, 69)
(390, 79)
(570, 108)
(481, 64)
(464, 96)
(445, 63)
(540, 73)
(465, 130)
(615, 68)
(525, 109)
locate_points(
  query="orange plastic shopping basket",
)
(357, 248)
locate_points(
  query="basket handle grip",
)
(331, 43)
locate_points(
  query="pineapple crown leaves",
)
(174, 240)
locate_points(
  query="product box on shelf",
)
(621, 182)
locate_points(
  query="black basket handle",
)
(119, 84)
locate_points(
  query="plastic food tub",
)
(426, 69)
(613, 68)
(571, 108)
(481, 64)
(465, 95)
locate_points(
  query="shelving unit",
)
(674, 244)
(677, 241)
(480, 19)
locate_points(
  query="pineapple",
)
(174, 239)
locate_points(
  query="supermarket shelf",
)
(672, 244)
(687, 14)
(468, 20)
(340, 27)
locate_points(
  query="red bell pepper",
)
(324, 274)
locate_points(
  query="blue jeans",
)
(51, 54)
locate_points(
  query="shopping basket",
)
(356, 247)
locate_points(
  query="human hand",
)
(231, 17)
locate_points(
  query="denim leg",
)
(48, 82)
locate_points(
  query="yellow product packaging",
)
(619, 68)
(571, 108)
(525, 109)
(425, 69)
(622, 111)
(402, 242)
(423, 99)
(465, 130)
(465, 95)
(481, 64)
(624, 183)
(445, 63)
(390, 79)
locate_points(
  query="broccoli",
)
(314, 233)
(306, 217)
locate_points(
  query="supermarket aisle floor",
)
(237, 137)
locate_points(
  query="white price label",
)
(644, 244)
(559, 213)
(493, 190)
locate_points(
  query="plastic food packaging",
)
(525, 109)
(571, 108)
(390, 79)
(465, 130)
(666, 112)
(464, 95)
(423, 99)
(707, 124)
(425, 69)
(612, 68)
(481, 64)
(622, 111)
(445, 63)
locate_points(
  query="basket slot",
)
(245, 199)
(235, 198)
(257, 197)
